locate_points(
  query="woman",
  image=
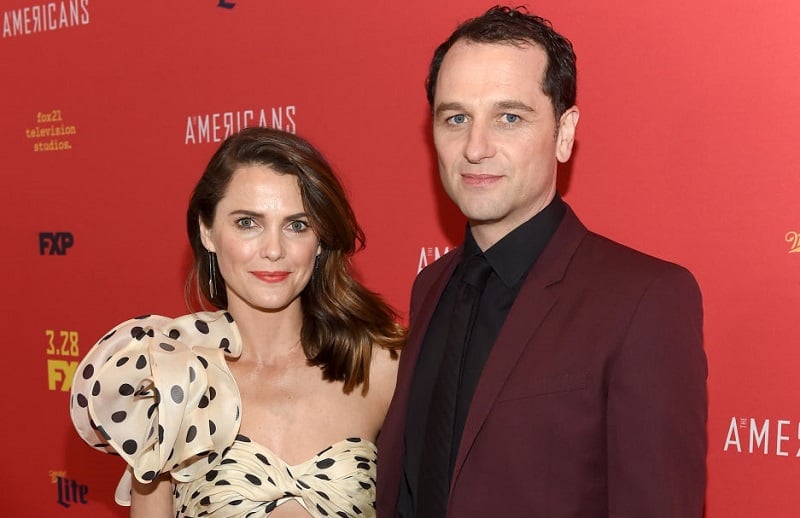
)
(272, 404)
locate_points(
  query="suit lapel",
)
(394, 427)
(529, 310)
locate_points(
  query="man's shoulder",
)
(605, 257)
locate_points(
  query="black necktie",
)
(438, 450)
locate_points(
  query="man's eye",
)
(510, 118)
(458, 119)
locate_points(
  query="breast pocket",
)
(519, 388)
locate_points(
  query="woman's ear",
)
(206, 236)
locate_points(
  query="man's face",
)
(496, 136)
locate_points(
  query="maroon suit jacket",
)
(592, 402)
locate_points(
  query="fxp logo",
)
(55, 243)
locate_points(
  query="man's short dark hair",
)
(514, 26)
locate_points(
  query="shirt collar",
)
(513, 256)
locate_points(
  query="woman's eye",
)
(298, 226)
(245, 222)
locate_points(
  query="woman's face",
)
(264, 245)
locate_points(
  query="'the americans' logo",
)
(50, 16)
(774, 437)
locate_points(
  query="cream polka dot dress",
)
(158, 392)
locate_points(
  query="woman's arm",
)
(152, 500)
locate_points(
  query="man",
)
(580, 388)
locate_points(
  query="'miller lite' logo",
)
(68, 491)
(55, 243)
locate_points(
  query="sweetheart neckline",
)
(309, 460)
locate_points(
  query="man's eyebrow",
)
(500, 105)
(514, 105)
(449, 107)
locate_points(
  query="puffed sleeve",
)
(158, 392)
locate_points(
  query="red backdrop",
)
(110, 110)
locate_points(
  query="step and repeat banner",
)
(686, 149)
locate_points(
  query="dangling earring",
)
(212, 274)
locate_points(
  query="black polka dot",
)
(364, 485)
(118, 417)
(325, 463)
(96, 388)
(192, 374)
(211, 475)
(88, 371)
(363, 465)
(109, 335)
(149, 475)
(242, 438)
(82, 401)
(353, 439)
(235, 502)
(263, 458)
(141, 362)
(176, 392)
(142, 317)
(203, 361)
(151, 410)
(191, 433)
(160, 434)
(224, 343)
(167, 347)
(322, 511)
(203, 402)
(303, 485)
(323, 495)
(212, 428)
(122, 361)
(103, 433)
(212, 393)
(174, 334)
(222, 483)
(201, 326)
(228, 317)
(356, 509)
(253, 479)
(322, 476)
(126, 389)
(130, 446)
(205, 500)
(137, 332)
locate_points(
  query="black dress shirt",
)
(511, 259)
